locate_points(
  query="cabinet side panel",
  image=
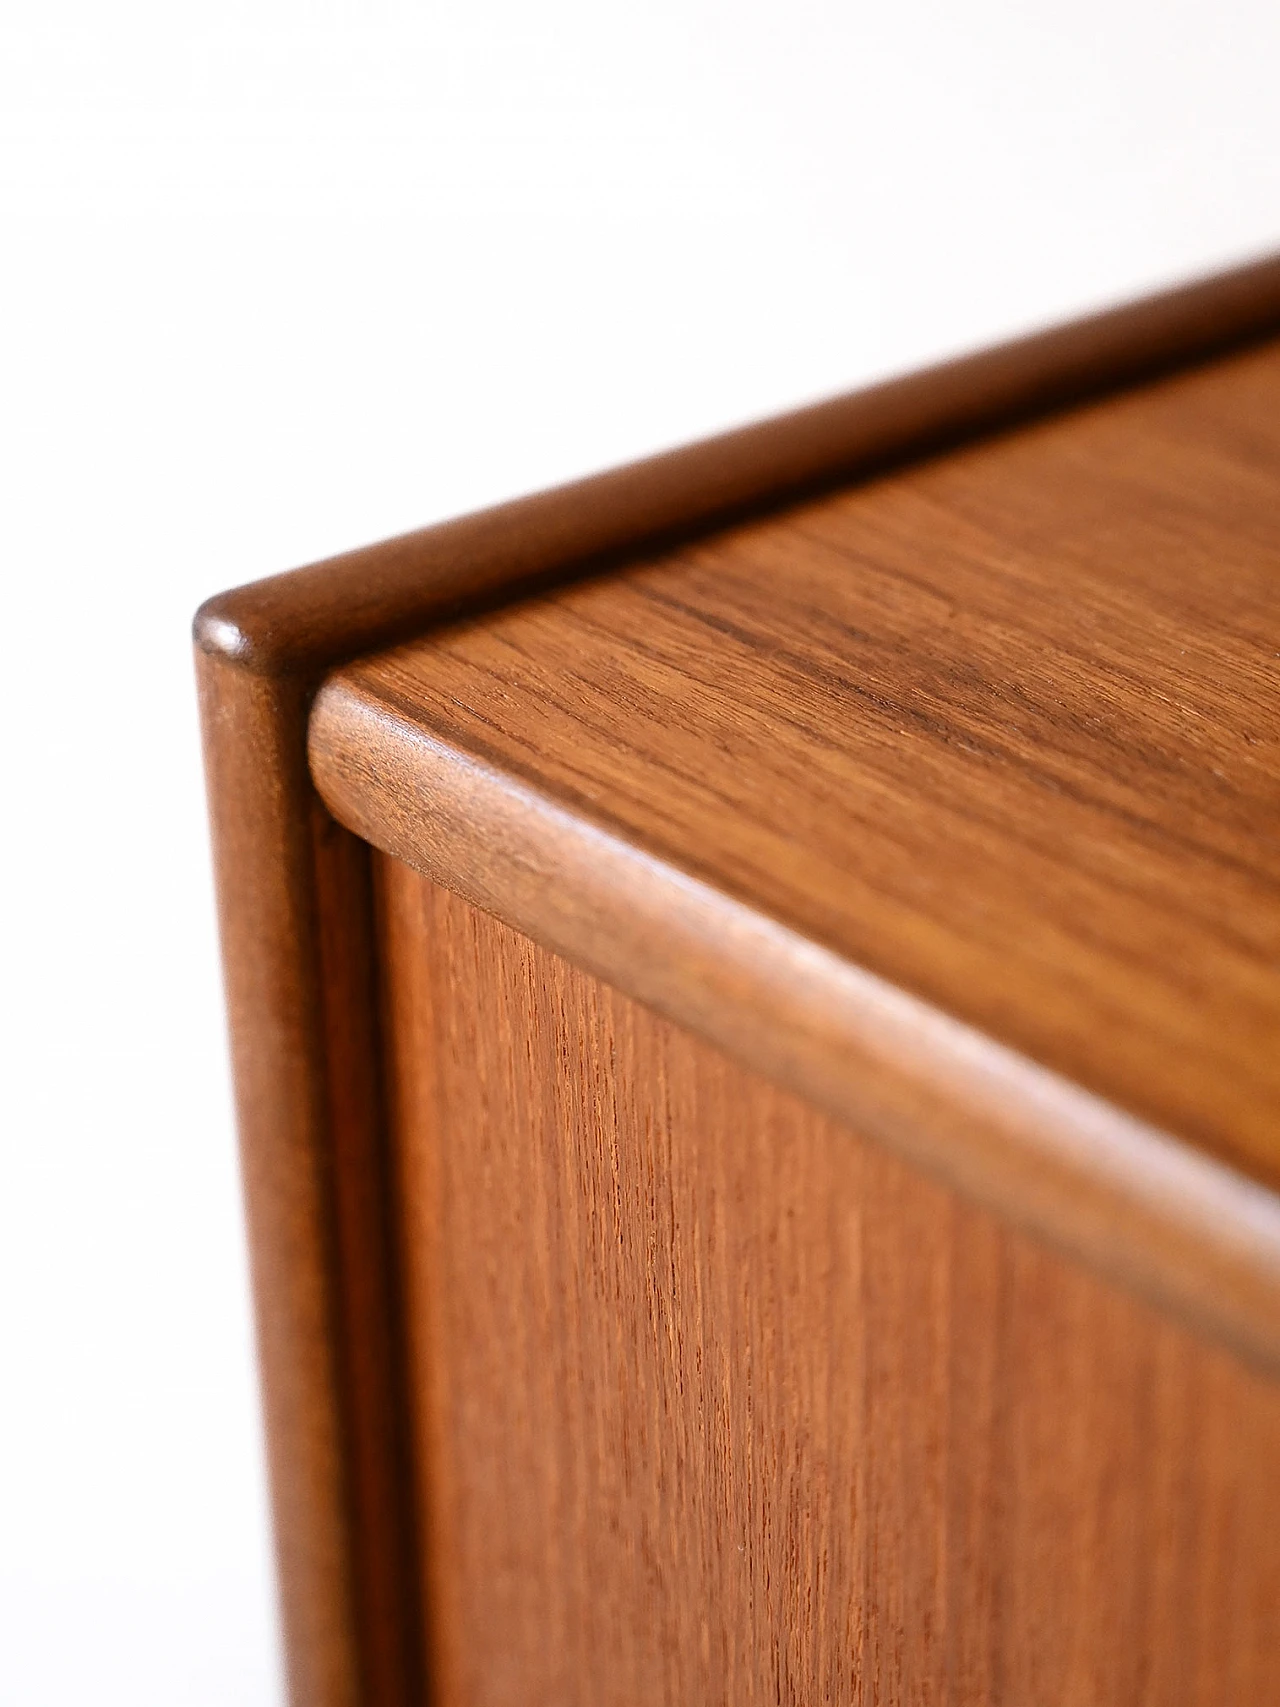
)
(295, 906)
(714, 1402)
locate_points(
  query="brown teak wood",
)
(1162, 1179)
(717, 1402)
(915, 791)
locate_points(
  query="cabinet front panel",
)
(715, 1402)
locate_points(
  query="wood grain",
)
(292, 900)
(302, 1001)
(718, 1403)
(305, 620)
(1001, 732)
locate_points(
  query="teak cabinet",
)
(755, 996)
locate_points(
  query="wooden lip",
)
(1148, 1210)
(310, 619)
(308, 1111)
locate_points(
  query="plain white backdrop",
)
(279, 279)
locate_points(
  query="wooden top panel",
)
(1003, 729)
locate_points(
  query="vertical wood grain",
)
(370, 1328)
(717, 1403)
(295, 906)
(263, 864)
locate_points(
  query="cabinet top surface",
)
(1003, 728)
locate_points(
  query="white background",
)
(278, 279)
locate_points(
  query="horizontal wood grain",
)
(293, 905)
(718, 1403)
(308, 619)
(911, 793)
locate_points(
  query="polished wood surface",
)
(717, 1402)
(294, 901)
(293, 624)
(1004, 728)
(293, 904)
(1001, 730)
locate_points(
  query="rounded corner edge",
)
(215, 629)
